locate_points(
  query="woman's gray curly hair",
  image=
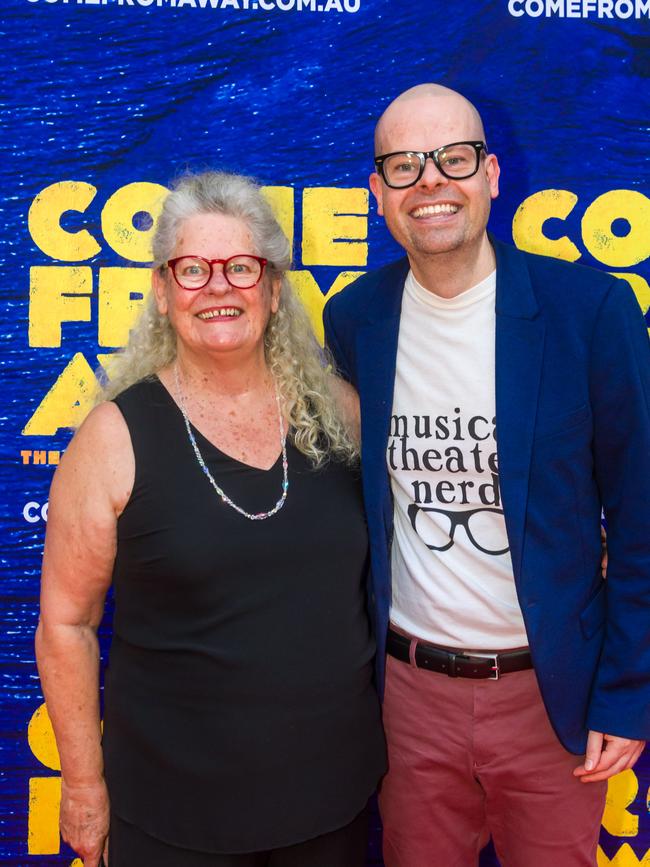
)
(292, 352)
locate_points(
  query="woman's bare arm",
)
(347, 400)
(90, 489)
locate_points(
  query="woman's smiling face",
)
(218, 318)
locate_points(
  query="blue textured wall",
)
(116, 92)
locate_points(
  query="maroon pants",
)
(474, 758)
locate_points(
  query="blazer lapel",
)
(377, 354)
(519, 354)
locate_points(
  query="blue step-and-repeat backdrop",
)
(106, 100)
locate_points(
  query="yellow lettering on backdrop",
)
(334, 233)
(313, 300)
(41, 740)
(529, 219)
(117, 216)
(68, 401)
(43, 818)
(620, 251)
(44, 792)
(44, 221)
(625, 857)
(57, 293)
(121, 296)
(40, 457)
(282, 201)
(602, 243)
(106, 361)
(334, 226)
(117, 219)
(621, 791)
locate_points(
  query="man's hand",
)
(84, 820)
(603, 551)
(607, 755)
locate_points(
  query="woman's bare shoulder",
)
(99, 460)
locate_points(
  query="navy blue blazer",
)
(573, 436)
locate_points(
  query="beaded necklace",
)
(257, 516)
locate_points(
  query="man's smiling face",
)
(437, 214)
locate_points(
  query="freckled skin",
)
(228, 391)
(247, 430)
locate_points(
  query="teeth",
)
(222, 313)
(429, 210)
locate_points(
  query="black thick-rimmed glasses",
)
(243, 271)
(457, 161)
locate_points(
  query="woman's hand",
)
(84, 820)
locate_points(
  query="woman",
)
(215, 492)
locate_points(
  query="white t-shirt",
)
(452, 573)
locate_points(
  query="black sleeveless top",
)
(240, 713)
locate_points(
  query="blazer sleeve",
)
(620, 399)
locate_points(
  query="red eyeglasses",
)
(242, 271)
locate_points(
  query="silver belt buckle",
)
(495, 668)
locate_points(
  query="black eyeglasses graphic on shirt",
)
(439, 536)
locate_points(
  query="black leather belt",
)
(458, 664)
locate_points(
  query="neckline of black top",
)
(203, 442)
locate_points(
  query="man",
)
(505, 401)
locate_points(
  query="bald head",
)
(433, 210)
(448, 107)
